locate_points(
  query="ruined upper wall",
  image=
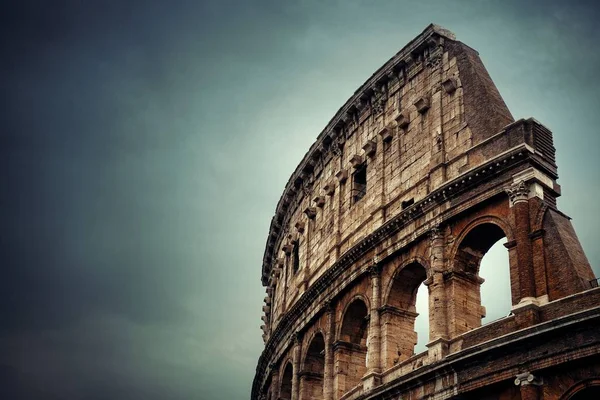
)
(421, 120)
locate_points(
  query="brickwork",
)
(411, 183)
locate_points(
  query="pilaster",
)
(373, 376)
(518, 196)
(438, 313)
(329, 360)
(296, 365)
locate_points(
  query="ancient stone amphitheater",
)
(412, 181)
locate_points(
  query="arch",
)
(285, 389)
(413, 260)
(354, 327)
(305, 349)
(476, 239)
(360, 297)
(504, 226)
(583, 390)
(399, 313)
(311, 382)
(350, 351)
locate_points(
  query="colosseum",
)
(412, 181)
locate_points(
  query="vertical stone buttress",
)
(374, 338)
(519, 203)
(329, 361)
(275, 383)
(296, 365)
(438, 313)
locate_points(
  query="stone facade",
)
(412, 182)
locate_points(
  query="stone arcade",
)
(411, 182)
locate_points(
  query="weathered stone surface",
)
(452, 174)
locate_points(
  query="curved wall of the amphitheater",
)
(443, 98)
(411, 183)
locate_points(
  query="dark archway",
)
(285, 393)
(585, 390)
(399, 314)
(311, 384)
(467, 280)
(351, 348)
(355, 324)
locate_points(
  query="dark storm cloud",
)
(144, 145)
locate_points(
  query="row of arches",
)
(404, 323)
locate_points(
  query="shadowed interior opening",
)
(285, 393)
(400, 315)
(314, 368)
(487, 238)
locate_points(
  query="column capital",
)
(297, 338)
(374, 270)
(517, 192)
(436, 233)
(527, 378)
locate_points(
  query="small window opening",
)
(408, 203)
(296, 257)
(359, 183)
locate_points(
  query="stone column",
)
(529, 386)
(438, 313)
(519, 203)
(274, 382)
(329, 361)
(373, 375)
(296, 366)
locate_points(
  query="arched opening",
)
(466, 308)
(400, 312)
(285, 393)
(495, 290)
(355, 324)
(311, 381)
(588, 389)
(422, 320)
(351, 348)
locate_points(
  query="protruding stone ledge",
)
(342, 175)
(329, 189)
(450, 85)
(403, 120)
(341, 344)
(397, 311)
(310, 375)
(356, 160)
(319, 201)
(422, 104)
(463, 275)
(311, 212)
(386, 134)
(287, 248)
(370, 148)
(300, 226)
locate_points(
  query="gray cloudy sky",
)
(145, 144)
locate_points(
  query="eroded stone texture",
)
(412, 182)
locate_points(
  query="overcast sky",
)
(144, 146)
